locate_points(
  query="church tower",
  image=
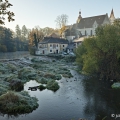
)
(79, 17)
(112, 17)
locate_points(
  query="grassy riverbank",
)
(15, 73)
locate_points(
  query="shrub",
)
(3, 48)
(17, 103)
(43, 81)
(41, 87)
(49, 75)
(58, 77)
(52, 85)
(32, 51)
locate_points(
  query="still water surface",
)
(84, 98)
(13, 55)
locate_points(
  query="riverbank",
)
(14, 73)
(14, 55)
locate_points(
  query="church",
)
(86, 26)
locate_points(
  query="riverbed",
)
(78, 97)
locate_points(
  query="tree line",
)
(23, 39)
(100, 55)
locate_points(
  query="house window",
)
(50, 50)
(85, 32)
(91, 32)
(57, 45)
(63, 45)
(50, 45)
(54, 46)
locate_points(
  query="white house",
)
(51, 45)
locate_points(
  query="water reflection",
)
(102, 102)
(13, 55)
(84, 98)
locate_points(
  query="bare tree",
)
(61, 20)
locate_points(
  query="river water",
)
(13, 55)
(78, 97)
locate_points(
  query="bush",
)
(52, 85)
(41, 87)
(16, 85)
(3, 48)
(43, 81)
(100, 55)
(27, 73)
(17, 103)
(49, 75)
(32, 51)
(58, 77)
(116, 85)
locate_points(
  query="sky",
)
(43, 13)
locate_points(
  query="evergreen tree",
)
(18, 31)
(24, 31)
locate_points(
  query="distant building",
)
(54, 35)
(86, 26)
(112, 17)
(52, 45)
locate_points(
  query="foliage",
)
(117, 22)
(18, 31)
(12, 102)
(4, 5)
(10, 44)
(62, 29)
(43, 81)
(6, 40)
(26, 73)
(52, 85)
(24, 31)
(3, 48)
(101, 54)
(47, 31)
(35, 35)
(21, 38)
(41, 87)
(116, 85)
(32, 50)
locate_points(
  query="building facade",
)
(86, 26)
(52, 45)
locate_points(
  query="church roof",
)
(89, 21)
(70, 32)
(54, 35)
(112, 14)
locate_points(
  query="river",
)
(78, 97)
(14, 55)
